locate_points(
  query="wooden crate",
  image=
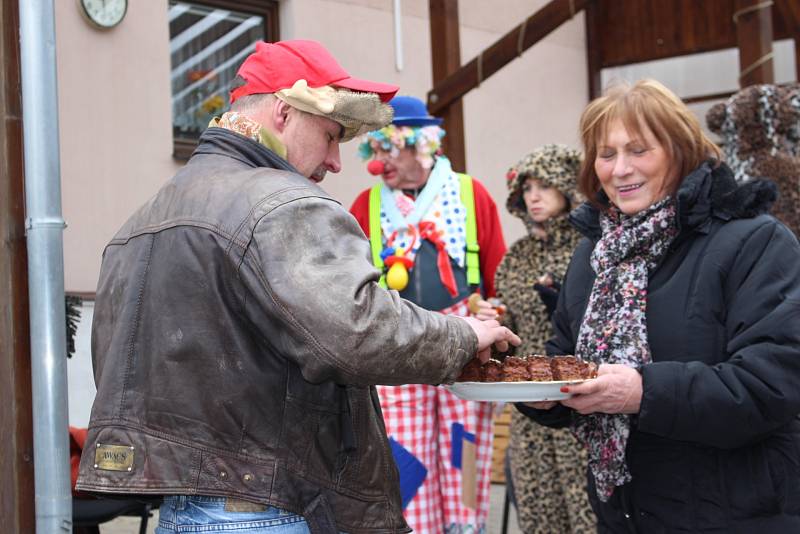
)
(502, 426)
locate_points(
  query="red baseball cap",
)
(276, 66)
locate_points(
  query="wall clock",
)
(104, 14)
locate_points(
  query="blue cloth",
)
(180, 513)
(412, 471)
(458, 436)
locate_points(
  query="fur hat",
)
(357, 112)
(553, 165)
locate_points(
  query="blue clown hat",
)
(411, 111)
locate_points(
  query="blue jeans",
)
(181, 513)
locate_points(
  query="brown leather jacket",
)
(238, 333)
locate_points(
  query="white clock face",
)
(104, 13)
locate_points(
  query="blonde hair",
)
(646, 103)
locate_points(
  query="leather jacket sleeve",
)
(318, 303)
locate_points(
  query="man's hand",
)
(617, 389)
(491, 333)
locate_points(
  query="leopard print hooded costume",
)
(760, 126)
(548, 466)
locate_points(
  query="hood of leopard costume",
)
(553, 165)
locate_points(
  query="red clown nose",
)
(375, 167)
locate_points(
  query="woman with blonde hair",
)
(687, 294)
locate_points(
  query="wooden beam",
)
(705, 98)
(593, 50)
(797, 58)
(446, 59)
(716, 96)
(789, 13)
(17, 497)
(635, 31)
(753, 19)
(504, 50)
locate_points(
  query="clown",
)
(444, 228)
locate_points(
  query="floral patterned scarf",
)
(614, 328)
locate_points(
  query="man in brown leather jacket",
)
(239, 328)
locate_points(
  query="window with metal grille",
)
(209, 39)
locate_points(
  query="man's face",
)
(403, 171)
(312, 144)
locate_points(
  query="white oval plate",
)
(511, 391)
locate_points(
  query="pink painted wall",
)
(115, 125)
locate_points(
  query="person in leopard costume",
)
(760, 129)
(548, 466)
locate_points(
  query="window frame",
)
(268, 10)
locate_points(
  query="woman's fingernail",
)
(564, 389)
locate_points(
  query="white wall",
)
(534, 100)
(115, 126)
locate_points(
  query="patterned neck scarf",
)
(614, 328)
(243, 125)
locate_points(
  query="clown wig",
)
(425, 140)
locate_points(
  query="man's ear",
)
(280, 115)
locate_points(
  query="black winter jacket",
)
(716, 444)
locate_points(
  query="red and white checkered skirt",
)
(453, 499)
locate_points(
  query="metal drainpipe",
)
(398, 36)
(44, 227)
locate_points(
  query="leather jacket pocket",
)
(323, 397)
(317, 426)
